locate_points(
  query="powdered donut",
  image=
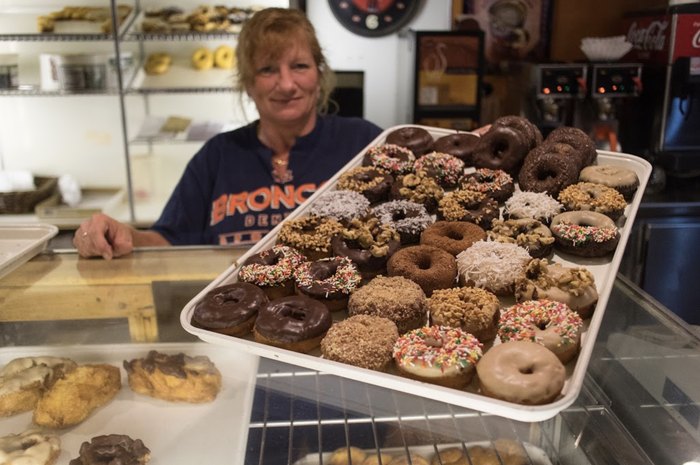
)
(365, 341)
(452, 236)
(474, 310)
(431, 267)
(493, 266)
(536, 205)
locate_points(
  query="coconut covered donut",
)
(528, 233)
(585, 233)
(573, 286)
(418, 188)
(547, 322)
(593, 197)
(438, 355)
(474, 310)
(493, 266)
(471, 206)
(392, 158)
(537, 205)
(342, 205)
(430, 267)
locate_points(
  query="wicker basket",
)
(25, 201)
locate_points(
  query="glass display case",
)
(639, 403)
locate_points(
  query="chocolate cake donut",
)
(430, 267)
(452, 236)
(584, 147)
(501, 148)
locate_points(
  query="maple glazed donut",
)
(416, 139)
(585, 233)
(393, 158)
(272, 270)
(496, 184)
(369, 181)
(452, 236)
(328, 280)
(522, 372)
(550, 323)
(593, 197)
(430, 267)
(549, 168)
(230, 309)
(439, 355)
(623, 180)
(296, 323)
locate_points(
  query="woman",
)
(244, 182)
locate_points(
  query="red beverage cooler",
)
(664, 124)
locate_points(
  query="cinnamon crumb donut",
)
(585, 233)
(369, 181)
(528, 233)
(443, 167)
(452, 236)
(396, 298)
(310, 235)
(471, 206)
(474, 310)
(365, 341)
(593, 197)
(341, 205)
(391, 158)
(536, 205)
(574, 286)
(369, 244)
(493, 266)
(549, 168)
(496, 184)
(431, 267)
(418, 140)
(459, 144)
(408, 218)
(418, 188)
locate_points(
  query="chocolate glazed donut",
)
(460, 145)
(501, 148)
(295, 323)
(416, 139)
(230, 309)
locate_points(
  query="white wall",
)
(386, 61)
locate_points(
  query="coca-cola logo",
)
(696, 40)
(651, 38)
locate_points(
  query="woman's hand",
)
(102, 236)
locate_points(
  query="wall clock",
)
(374, 18)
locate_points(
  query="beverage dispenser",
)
(557, 89)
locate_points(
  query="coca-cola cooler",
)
(664, 123)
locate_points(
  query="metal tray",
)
(176, 433)
(20, 242)
(603, 269)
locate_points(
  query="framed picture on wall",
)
(448, 77)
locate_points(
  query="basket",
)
(25, 201)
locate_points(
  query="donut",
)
(452, 236)
(493, 266)
(438, 355)
(496, 184)
(418, 188)
(230, 309)
(24, 380)
(202, 59)
(443, 167)
(451, 456)
(497, 452)
(416, 139)
(341, 205)
(585, 233)
(369, 181)
(272, 270)
(30, 448)
(112, 449)
(430, 267)
(396, 298)
(77, 395)
(522, 372)
(369, 244)
(224, 57)
(347, 456)
(392, 158)
(584, 147)
(474, 310)
(548, 168)
(471, 206)
(296, 323)
(528, 233)
(501, 147)
(574, 286)
(548, 322)
(532, 134)
(459, 144)
(365, 341)
(593, 197)
(328, 280)
(310, 235)
(157, 64)
(623, 180)
(408, 218)
(175, 378)
(536, 205)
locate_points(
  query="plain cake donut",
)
(522, 372)
(452, 236)
(431, 267)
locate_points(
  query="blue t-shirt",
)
(227, 194)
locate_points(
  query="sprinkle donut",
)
(585, 233)
(392, 158)
(342, 205)
(438, 355)
(443, 167)
(408, 218)
(496, 184)
(537, 205)
(528, 233)
(521, 372)
(328, 280)
(310, 235)
(593, 197)
(474, 207)
(272, 270)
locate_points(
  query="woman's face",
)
(286, 90)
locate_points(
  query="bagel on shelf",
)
(224, 57)
(157, 63)
(203, 59)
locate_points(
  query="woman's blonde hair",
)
(270, 33)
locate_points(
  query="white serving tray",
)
(176, 433)
(604, 270)
(20, 242)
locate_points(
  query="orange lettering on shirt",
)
(286, 197)
(218, 210)
(263, 203)
(237, 202)
(304, 189)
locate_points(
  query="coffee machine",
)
(557, 89)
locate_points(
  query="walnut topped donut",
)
(369, 244)
(310, 235)
(528, 233)
(474, 310)
(471, 206)
(369, 181)
(594, 197)
(419, 188)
